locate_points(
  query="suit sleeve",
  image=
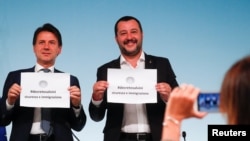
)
(166, 74)
(6, 116)
(98, 113)
(77, 123)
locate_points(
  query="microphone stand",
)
(74, 135)
(68, 126)
(184, 135)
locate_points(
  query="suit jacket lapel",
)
(116, 63)
(149, 62)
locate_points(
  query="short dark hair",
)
(127, 18)
(50, 28)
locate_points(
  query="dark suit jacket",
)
(63, 119)
(155, 111)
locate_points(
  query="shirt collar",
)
(39, 67)
(141, 59)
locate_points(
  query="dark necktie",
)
(45, 70)
(46, 115)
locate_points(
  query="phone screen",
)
(208, 101)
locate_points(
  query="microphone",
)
(184, 135)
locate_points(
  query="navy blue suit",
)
(63, 119)
(114, 111)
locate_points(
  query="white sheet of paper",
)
(45, 90)
(132, 86)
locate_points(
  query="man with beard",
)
(132, 122)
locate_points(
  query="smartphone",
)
(208, 102)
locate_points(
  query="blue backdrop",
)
(201, 38)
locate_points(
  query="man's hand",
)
(99, 89)
(164, 89)
(75, 96)
(13, 93)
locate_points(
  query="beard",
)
(130, 53)
(133, 52)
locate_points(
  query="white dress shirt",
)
(135, 115)
(36, 126)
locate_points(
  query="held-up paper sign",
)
(132, 86)
(45, 90)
